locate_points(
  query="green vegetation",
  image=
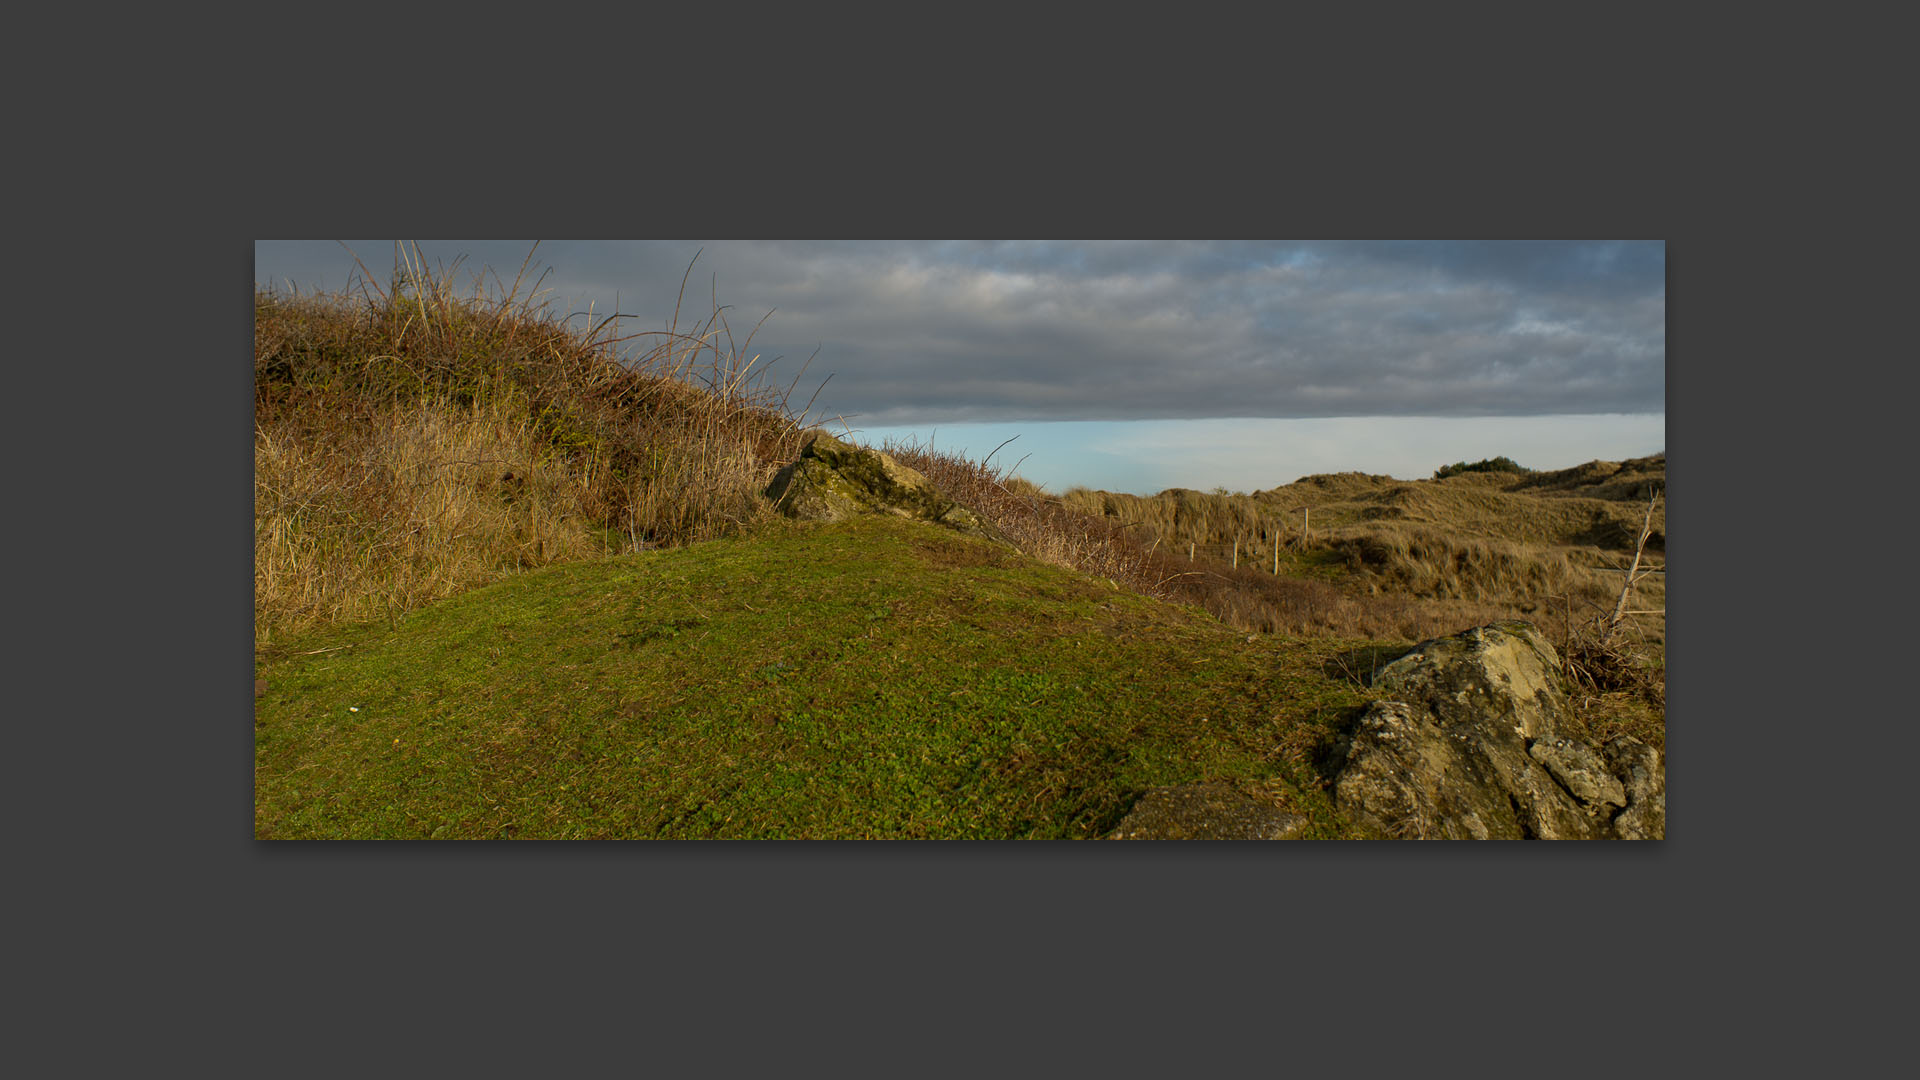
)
(876, 678)
(1494, 464)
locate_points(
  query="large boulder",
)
(1469, 745)
(832, 481)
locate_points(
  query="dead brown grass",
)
(1086, 530)
(410, 507)
(1040, 525)
(412, 442)
(1504, 541)
(1393, 559)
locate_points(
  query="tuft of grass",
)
(406, 509)
(870, 678)
(1043, 527)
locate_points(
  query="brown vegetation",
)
(410, 442)
(1473, 545)
(1372, 556)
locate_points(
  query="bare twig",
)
(1626, 590)
(997, 449)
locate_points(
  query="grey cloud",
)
(1535, 266)
(989, 330)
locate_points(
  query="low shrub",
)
(1496, 464)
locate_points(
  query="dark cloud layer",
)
(949, 331)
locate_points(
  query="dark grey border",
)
(314, 945)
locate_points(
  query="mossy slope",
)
(869, 678)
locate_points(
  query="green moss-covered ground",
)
(871, 678)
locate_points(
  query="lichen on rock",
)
(1470, 746)
(1645, 778)
(1507, 667)
(832, 481)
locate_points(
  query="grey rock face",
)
(1505, 672)
(1408, 777)
(1579, 770)
(1213, 811)
(1471, 748)
(832, 481)
(1645, 779)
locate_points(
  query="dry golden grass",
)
(411, 443)
(1387, 558)
(1490, 505)
(1039, 524)
(1496, 538)
(423, 503)
(1122, 538)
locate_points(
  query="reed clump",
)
(1041, 525)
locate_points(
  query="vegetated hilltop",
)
(1473, 544)
(412, 441)
(869, 678)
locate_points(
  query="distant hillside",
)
(1473, 546)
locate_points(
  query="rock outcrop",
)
(1469, 745)
(1215, 811)
(832, 481)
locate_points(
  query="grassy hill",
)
(512, 579)
(879, 678)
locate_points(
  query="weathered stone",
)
(1215, 811)
(1405, 778)
(1581, 772)
(1506, 670)
(1645, 777)
(832, 481)
(1471, 747)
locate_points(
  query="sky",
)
(1143, 365)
